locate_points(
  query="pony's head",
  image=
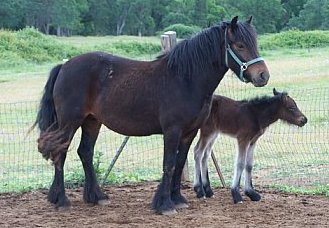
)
(288, 110)
(241, 53)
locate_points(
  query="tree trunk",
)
(58, 31)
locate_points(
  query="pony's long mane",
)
(194, 55)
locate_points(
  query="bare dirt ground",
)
(130, 207)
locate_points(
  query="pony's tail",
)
(47, 114)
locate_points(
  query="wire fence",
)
(284, 156)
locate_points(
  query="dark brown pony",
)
(246, 121)
(170, 95)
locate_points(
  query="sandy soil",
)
(130, 207)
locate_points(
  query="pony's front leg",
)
(184, 146)
(162, 202)
(56, 194)
(249, 190)
(238, 169)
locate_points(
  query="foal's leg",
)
(204, 170)
(238, 169)
(184, 146)
(162, 202)
(199, 153)
(92, 192)
(249, 190)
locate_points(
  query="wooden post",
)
(168, 41)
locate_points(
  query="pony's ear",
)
(275, 92)
(234, 22)
(249, 20)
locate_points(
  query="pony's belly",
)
(133, 128)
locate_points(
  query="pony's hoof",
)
(103, 202)
(169, 212)
(181, 206)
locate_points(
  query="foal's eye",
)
(292, 109)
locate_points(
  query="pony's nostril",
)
(262, 76)
(304, 120)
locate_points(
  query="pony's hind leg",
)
(54, 144)
(248, 189)
(92, 192)
(238, 169)
(56, 194)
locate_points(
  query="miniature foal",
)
(246, 121)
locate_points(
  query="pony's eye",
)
(240, 46)
(291, 109)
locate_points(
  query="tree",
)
(11, 13)
(267, 13)
(200, 13)
(313, 16)
(215, 12)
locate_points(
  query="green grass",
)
(286, 157)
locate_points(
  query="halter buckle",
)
(243, 66)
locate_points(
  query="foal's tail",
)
(47, 115)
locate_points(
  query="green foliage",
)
(316, 190)
(294, 39)
(267, 13)
(29, 45)
(130, 48)
(183, 31)
(314, 15)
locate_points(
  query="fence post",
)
(168, 41)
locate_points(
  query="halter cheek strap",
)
(243, 65)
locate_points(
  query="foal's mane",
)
(196, 55)
(264, 100)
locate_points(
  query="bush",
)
(183, 31)
(32, 46)
(130, 48)
(294, 39)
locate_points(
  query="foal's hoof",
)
(169, 212)
(103, 202)
(253, 195)
(199, 191)
(181, 206)
(237, 198)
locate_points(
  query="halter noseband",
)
(243, 65)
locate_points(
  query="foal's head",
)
(288, 110)
(241, 53)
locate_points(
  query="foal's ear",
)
(234, 22)
(249, 20)
(275, 92)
